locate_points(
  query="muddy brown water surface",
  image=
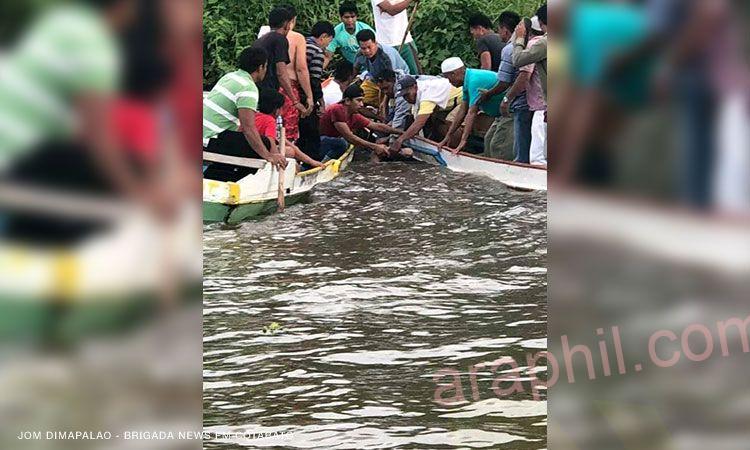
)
(387, 276)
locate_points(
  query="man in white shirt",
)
(391, 22)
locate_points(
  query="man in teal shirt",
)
(474, 82)
(345, 34)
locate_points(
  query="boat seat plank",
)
(234, 160)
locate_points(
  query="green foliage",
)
(440, 28)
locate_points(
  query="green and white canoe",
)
(257, 194)
(101, 284)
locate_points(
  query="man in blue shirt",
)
(474, 82)
(375, 59)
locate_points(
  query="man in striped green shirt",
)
(229, 111)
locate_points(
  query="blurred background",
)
(100, 231)
(648, 221)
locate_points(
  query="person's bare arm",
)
(300, 67)
(497, 89)
(286, 84)
(383, 128)
(352, 138)
(419, 122)
(468, 127)
(393, 8)
(456, 122)
(519, 86)
(95, 113)
(485, 61)
(247, 124)
(327, 57)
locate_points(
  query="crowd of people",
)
(377, 97)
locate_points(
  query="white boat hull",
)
(515, 175)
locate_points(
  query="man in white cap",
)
(473, 82)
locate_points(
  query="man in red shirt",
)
(341, 120)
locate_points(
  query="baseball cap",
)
(451, 64)
(406, 82)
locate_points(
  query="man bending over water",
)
(340, 122)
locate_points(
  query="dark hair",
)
(104, 4)
(480, 20)
(343, 71)
(541, 13)
(144, 71)
(289, 7)
(252, 58)
(278, 17)
(322, 28)
(269, 101)
(509, 20)
(366, 35)
(348, 7)
(386, 75)
(352, 92)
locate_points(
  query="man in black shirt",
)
(489, 44)
(276, 45)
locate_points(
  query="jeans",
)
(522, 119)
(332, 147)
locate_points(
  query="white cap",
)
(535, 24)
(451, 64)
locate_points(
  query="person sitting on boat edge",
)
(473, 82)
(229, 111)
(269, 108)
(340, 122)
(429, 96)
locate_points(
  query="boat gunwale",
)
(481, 158)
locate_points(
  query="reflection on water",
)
(389, 274)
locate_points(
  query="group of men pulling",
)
(377, 98)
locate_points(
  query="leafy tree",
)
(440, 28)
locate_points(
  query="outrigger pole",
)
(408, 27)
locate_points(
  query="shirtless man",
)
(276, 45)
(300, 78)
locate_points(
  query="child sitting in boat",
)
(269, 108)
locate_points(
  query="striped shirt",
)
(234, 91)
(67, 52)
(315, 58)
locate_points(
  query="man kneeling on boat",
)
(342, 120)
(429, 96)
(229, 112)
